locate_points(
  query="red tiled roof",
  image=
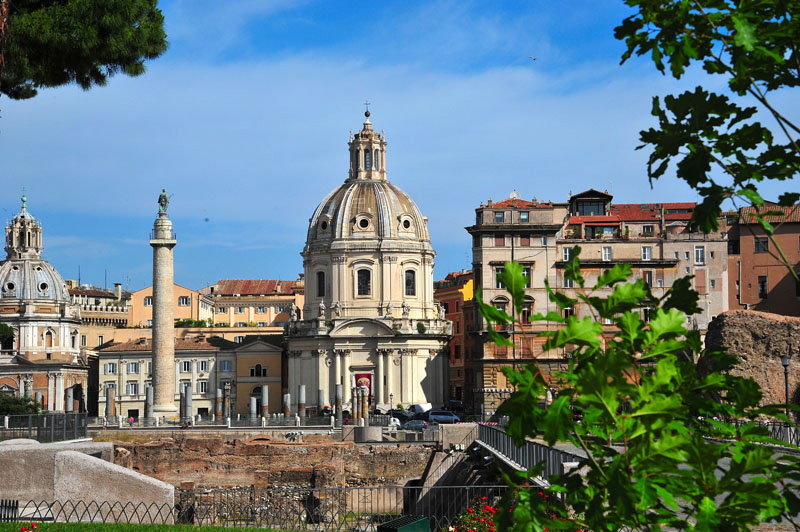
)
(645, 212)
(181, 344)
(253, 287)
(92, 293)
(747, 215)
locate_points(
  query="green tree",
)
(15, 406)
(48, 43)
(659, 453)
(716, 145)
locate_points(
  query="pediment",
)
(258, 346)
(362, 327)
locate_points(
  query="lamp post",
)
(785, 362)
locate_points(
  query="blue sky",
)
(245, 121)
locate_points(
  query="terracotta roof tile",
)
(253, 287)
(747, 215)
(644, 212)
(199, 343)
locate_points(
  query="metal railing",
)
(44, 427)
(362, 509)
(242, 420)
(788, 433)
(529, 455)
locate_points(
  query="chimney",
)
(118, 290)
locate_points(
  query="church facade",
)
(43, 362)
(369, 318)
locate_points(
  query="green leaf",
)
(617, 274)
(572, 268)
(514, 282)
(707, 519)
(752, 196)
(584, 332)
(745, 33)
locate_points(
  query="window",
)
(226, 365)
(677, 255)
(497, 273)
(367, 160)
(591, 208)
(186, 366)
(261, 324)
(499, 216)
(762, 286)
(149, 368)
(686, 255)
(568, 283)
(500, 304)
(499, 240)
(527, 308)
(647, 252)
(241, 324)
(457, 353)
(377, 161)
(713, 283)
(110, 368)
(202, 366)
(184, 301)
(100, 339)
(648, 278)
(132, 388)
(688, 270)
(566, 253)
(238, 339)
(220, 310)
(524, 216)
(733, 247)
(569, 311)
(148, 301)
(647, 230)
(544, 241)
(660, 283)
(202, 386)
(133, 367)
(525, 241)
(110, 386)
(150, 324)
(606, 253)
(761, 244)
(699, 254)
(526, 271)
(647, 314)
(411, 283)
(258, 371)
(239, 310)
(261, 310)
(320, 284)
(83, 339)
(364, 282)
(711, 254)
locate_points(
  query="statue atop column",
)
(322, 310)
(293, 312)
(163, 201)
(406, 308)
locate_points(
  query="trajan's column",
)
(163, 240)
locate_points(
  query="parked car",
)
(442, 416)
(402, 415)
(415, 424)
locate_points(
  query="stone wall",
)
(759, 339)
(215, 460)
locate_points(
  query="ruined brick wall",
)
(226, 460)
(759, 339)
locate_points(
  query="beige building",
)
(44, 360)
(202, 363)
(369, 318)
(188, 305)
(253, 302)
(655, 240)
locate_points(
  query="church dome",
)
(367, 206)
(24, 275)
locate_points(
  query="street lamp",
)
(785, 362)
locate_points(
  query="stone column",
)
(287, 404)
(253, 412)
(109, 401)
(218, 407)
(51, 392)
(59, 405)
(188, 391)
(163, 242)
(320, 401)
(389, 374)
(301, 400)
(148, 404)
(379, 399)
(337, 367)
(264, 400)
(69, 403)
(338, 405)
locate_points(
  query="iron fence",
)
(375, 420)
(779, 430)
(362, 509)
(45, 427)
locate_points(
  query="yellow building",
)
(253, 302)
(188, 305)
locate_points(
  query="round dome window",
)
(10, 286)
(363, 223)
(323, 225)
(406, 224)
(43, 287)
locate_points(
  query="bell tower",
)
(367, 153)
(24, 235)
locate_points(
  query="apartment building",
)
(254, 302)
(454, 293)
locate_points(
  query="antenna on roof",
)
(514, 194)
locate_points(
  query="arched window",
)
(411, 283)
(364, 282)
(358, 159)
(377, 160)
(367, 160)
(48, 339)
(320, 284)
(258, 371)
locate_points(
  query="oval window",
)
(406, 224)
(10, 286)
(323, 225)
(43, 287)
(363, 223)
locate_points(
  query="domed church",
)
(42, 361)
(369, 317)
